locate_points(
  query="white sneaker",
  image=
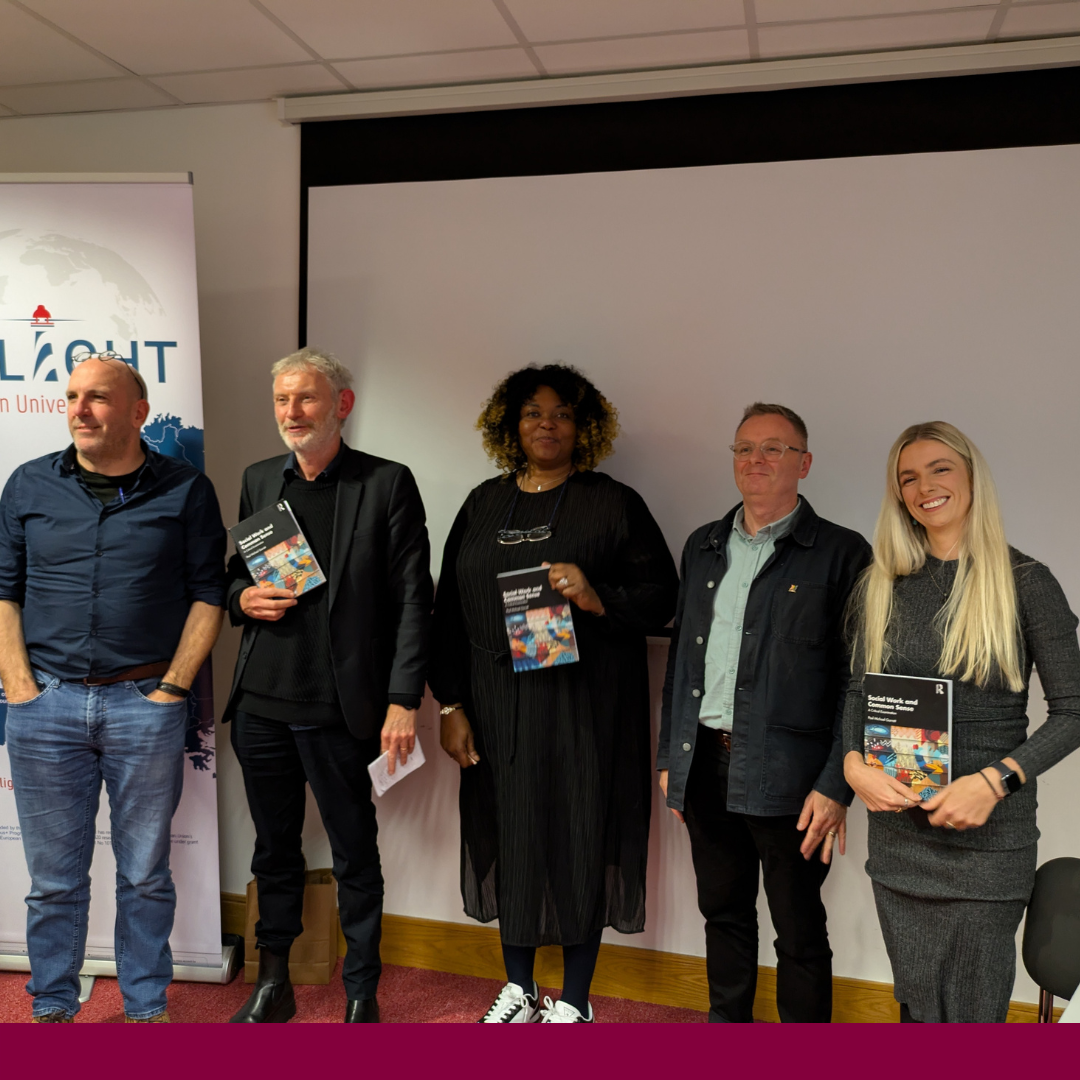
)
(561, 1013)
(513, 1006)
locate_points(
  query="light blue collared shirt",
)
(746, 555)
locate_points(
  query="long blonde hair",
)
(979, 622)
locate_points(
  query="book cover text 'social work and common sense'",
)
(277, 555)
(908, 730)
(538, 621)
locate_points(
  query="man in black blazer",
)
(326, 679)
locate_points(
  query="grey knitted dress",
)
(949, 902)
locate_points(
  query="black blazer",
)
(379, 582)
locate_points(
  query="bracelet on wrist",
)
(173, 689)
(990, 785)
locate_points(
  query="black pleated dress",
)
(555, 818)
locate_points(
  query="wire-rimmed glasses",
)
(521, 536)
(85, 354)
(771, 449)
(531, 536)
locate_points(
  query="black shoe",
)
(362, 1011)
(272, 1000)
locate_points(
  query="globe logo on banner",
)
(90, 267)
(61, 295)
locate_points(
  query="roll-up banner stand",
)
(107, 262)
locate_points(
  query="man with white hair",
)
(326, 680)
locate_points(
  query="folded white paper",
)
(382, 781)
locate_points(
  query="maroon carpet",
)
(406, 996)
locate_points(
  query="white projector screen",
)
(866, 293)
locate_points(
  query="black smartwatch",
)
(172, 688)
(1010, 778)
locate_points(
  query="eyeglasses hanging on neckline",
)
(531, 536)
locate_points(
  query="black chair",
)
(1052, 933)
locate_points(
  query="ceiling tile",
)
(809, 10)
(252, 85)
(855, 35)
(32, 53)
(440, 68)
(352, 29)
(629, 54)
(128, 93)
(559, 20)
(150, 36)
(1041, 19)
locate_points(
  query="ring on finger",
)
(831, 833)
(564, 581)
(949, 825)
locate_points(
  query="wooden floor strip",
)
(621, 971)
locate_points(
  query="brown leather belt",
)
(722, 737)
(143, 671)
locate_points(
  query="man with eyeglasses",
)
(750, 752)
(328, 679)
(111, 596)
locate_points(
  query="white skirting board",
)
(207, 973)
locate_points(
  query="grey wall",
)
(866, 293)
(246, 168)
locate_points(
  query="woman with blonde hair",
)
(947, 597)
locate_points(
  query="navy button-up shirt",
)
(107, 588)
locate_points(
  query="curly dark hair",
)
(596, 418)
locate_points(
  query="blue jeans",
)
(61, 745)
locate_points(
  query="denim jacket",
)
(793, 667)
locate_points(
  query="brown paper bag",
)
(314, 953)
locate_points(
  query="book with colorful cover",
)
(277, 555)
(538, 621)
(908, 730)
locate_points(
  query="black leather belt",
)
(143, 671)
(716, 735)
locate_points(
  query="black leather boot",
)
(272, 1000)
(362, 1011)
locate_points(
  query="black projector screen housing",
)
(966, 112)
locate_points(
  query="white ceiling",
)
(62, 56)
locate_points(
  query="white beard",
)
(314, 438)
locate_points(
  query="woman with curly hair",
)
(556, 769)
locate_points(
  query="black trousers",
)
(278, 762)
(729, 850)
